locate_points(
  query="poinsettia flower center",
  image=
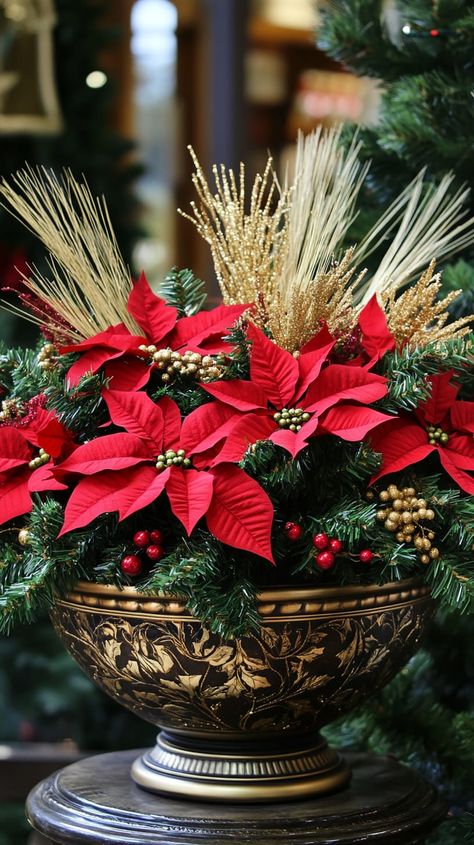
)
(41, 459)
(436, 435)
(291, 418)
(171, 458)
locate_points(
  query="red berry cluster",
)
(329, 547)
(149, 542)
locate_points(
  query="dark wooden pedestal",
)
(94, 801)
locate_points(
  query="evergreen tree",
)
(422, 53)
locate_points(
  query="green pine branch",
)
(184, 291)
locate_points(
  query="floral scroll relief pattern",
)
(293, 676)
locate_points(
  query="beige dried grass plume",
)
(89, 283)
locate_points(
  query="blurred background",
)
(116, 90)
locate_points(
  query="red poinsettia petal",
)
(15, 499)
(42, 479)
(462, 416)
(351, 422)
(401, 443)
(309, 366)
(246, 431)
(205, 426)
(14, 449)
(90, 362)
(212, 345)
(190, 493)
(376, 337)
(339, 382)
(128, 373)
(191, 332)
(105, 493)
(239, 394)
(114, 338)
(462, 478)
(171, 423)
(112, 452)
(152, 485)
(322, 338)
(460, 449)
(50, 434)
(152, 314)
(272, 368)
(442, 398)
(294, 442)
(240, 513)
(137, 414)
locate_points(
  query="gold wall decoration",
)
(28, 96)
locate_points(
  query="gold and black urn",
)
(239, 719)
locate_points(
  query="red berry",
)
(365, 556)
(335, 545)
(131, 565)
(293, 531)
(154, 552)
(156, 536)
(321, 541)
(141, 539)
(325, 560)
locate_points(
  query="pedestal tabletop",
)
(95, 802)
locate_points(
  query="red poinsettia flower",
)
(442, 424)
(287, 399)
(376, 338)
(117, 349)
(19, 475)
(129, 470)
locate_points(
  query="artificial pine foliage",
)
(422, 54)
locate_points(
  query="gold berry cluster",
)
(173, 364)
(47, 357)
(406, 515)
(11, 410)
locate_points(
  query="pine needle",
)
(90, 282)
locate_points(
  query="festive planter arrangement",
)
(239, 517)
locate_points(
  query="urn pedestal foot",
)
(249, 772)
(95, 802)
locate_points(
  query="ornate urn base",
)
(239, 719)
(250, 771)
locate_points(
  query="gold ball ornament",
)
(23, 536)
